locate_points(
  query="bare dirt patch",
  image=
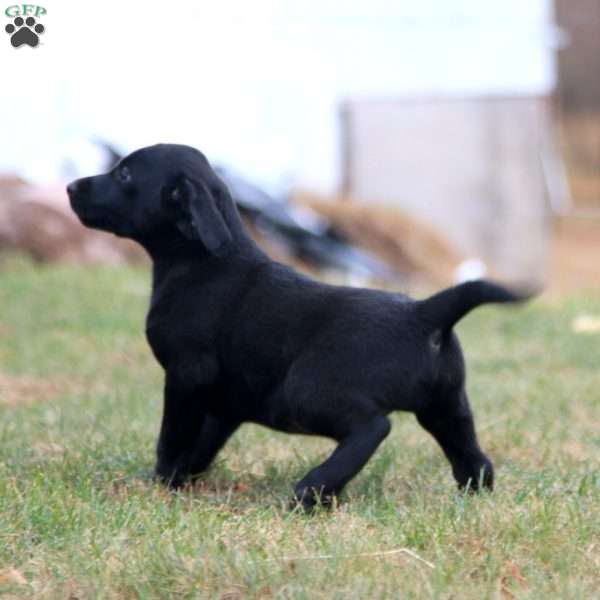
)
(17, 390)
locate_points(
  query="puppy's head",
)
(160, 194)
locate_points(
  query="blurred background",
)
(410, 144)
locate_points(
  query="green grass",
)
(80, 404)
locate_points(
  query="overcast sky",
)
(255, 85)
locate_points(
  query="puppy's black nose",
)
(72, 188)
(77, 186)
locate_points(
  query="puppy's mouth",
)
(79, 205)
(94, 219)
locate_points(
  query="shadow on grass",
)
(264, 483)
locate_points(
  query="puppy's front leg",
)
(353, 452)
(214, 434)
(183, 416)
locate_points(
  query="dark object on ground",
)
(308, 236)
(243, 338)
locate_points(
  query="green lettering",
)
(12, 11)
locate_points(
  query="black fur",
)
(245, 339)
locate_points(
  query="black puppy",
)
(243, 338)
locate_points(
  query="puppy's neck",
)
(173, 254)
(178, 270)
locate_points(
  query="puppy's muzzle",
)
(78, 187)
(79, 193)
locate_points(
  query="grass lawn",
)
(80, 406)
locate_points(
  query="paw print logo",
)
(24, 32)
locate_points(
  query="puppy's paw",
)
(308, 500)
(477, 478)
(171, 478)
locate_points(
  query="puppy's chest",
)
(161, 345)
(176, 339)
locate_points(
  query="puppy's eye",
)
(124, 174)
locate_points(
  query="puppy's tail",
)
(444, 309)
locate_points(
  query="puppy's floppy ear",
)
(196, 214)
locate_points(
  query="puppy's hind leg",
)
(352, 453)
(450, 422)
